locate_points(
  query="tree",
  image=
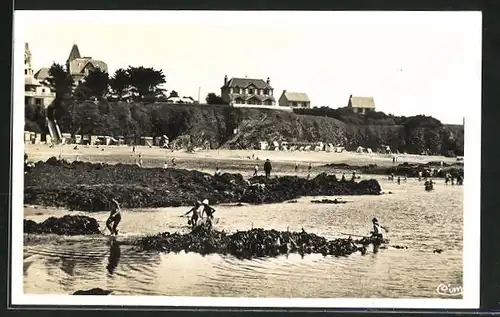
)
(213, 99)
(97, 82)
(146, 81)
(60, 81)
(87, 118)
(174, 93)
(120, 83)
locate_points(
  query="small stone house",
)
(294, 100)
(361, 104)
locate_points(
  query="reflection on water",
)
(423, 221)
(114, 255)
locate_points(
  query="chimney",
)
(225, 80)
(268, 81)
(26, 47)
(284, 91)
(350, 97)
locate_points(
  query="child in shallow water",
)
(114, 217)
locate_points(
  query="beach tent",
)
(360, 149)
(264, 145)
(369, 150)
(307, 148)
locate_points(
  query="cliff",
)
(224, 126)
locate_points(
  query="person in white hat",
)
(209, 211)
(114, 217)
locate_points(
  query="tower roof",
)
(75, 53)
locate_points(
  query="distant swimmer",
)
(114, 217)
(173, 162)
(343, 178)
(217, 171)
(296, 167)
(399, 180)
(353, 176)
(419, 176)
(165, 165)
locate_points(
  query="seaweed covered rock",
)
(90, 187)
(93, 291)
(66, 225)
(251, 243)
(289, 187)
(431, 169)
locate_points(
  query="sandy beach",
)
(156, 156)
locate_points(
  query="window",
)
(26, 72)
(43, 90)
(27, 100)
(38, 101)
(265, 92)
(250, 91)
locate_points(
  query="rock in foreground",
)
(90, 187)
(67, 225)
(93, 291)
(253, 243)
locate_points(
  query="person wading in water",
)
(114, 217)
(377, 232)
(196, 214)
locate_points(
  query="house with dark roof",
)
(79, 66)
(36, 91)
(294, 100)
(361, 104)
(248, 91)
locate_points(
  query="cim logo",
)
(449, 290)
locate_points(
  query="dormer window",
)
(250, 91)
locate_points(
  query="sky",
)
(410, 62)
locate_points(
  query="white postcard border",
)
(471, 231)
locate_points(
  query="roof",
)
(180, 99)
(77, 66)
(245, 82)
(31, 81)
(75, 53)
(362, 102)
(42, 73)
(296, 96)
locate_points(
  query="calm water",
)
(421, 220)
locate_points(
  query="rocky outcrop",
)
(67, 225)
(90, 187)
(254, 243)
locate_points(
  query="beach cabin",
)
(38, 138)
(48, 139)
(146, 140)
(264, 145)
(86, 139)
(27, 137)
(284, 146)
(78, 139)
(66, 138)
(93, 139)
